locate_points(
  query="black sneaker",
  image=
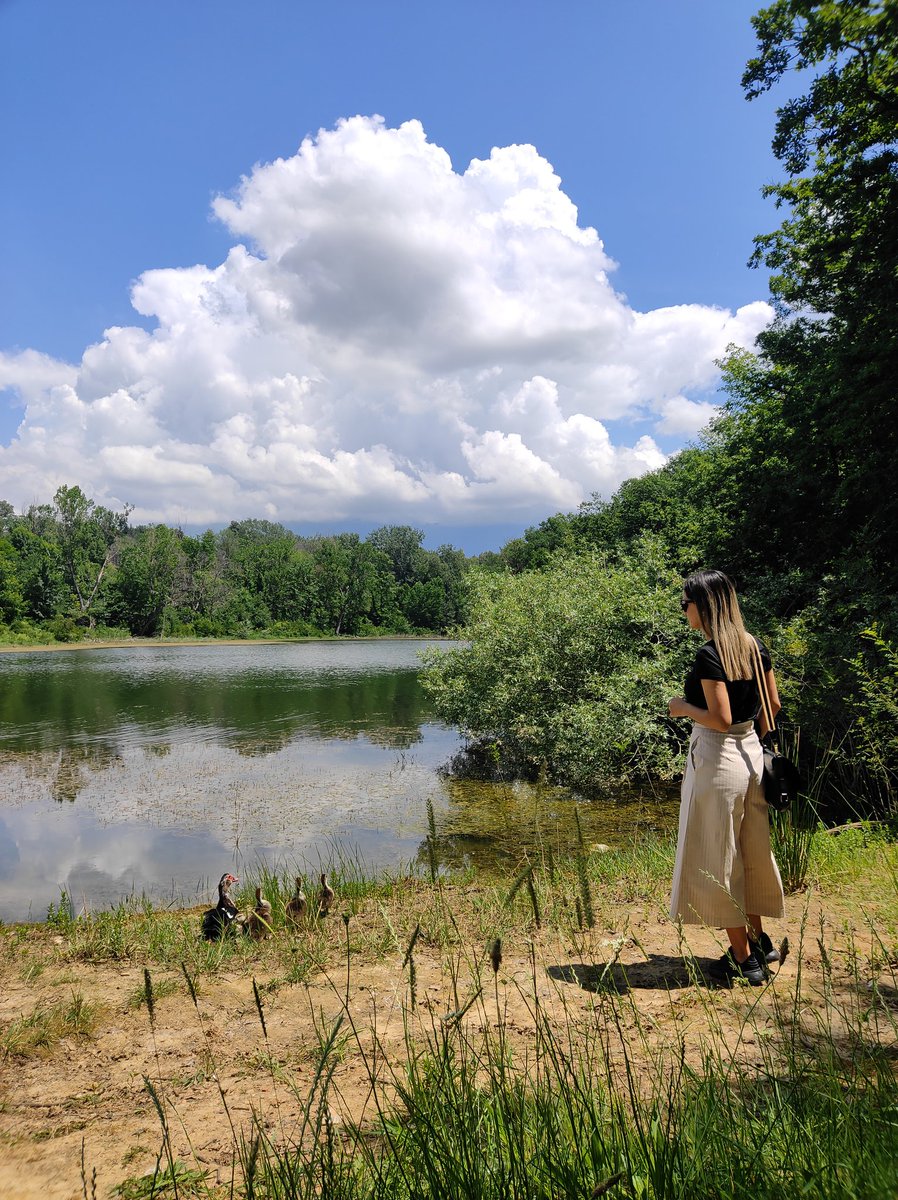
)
(763, 949)
(752, 970)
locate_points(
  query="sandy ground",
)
(92, 1091)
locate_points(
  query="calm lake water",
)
(151, 770)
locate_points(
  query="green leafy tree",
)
(402, 545)
(201, 586)
(39, 570)
(834, 257)
(89, 536)
(12, 601)
(354, 583)
(265, 559)
(539, 543)
(148, 568)
(569, 669)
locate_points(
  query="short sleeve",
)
(766, 661)
(708, 664)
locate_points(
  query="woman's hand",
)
(677, 706)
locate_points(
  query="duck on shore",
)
(325, 898)
(258, 923)
(296, 905)
(224, 917)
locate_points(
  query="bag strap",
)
(761, 680)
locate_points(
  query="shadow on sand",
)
(665, 971)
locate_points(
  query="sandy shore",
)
(92, 1089)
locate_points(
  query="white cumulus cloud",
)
(388, 339)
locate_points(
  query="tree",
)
(835, 265)
(88, 537)
(12, 602)
(39, 571)
(402, 546)
(147, 571)
(265, 559)
(570, 668)
(353, 583)
(201, 586)
(537, 545)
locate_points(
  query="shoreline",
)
(141, 643)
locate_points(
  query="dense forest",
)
(791, 489)
(74, 568)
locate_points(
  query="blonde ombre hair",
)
(714, 596)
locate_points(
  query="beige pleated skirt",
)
(725, 868)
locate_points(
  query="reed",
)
(590, 1102)
(593, 1107)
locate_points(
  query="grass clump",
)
(175, 1180)
(48, 1024)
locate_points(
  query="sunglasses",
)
(684, 604)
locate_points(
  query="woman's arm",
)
(718, 715)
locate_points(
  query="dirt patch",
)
(215, 1071)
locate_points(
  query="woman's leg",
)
(739, 943)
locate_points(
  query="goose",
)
(221, 919)
(296, 906)
(326, 899)
(258, 923)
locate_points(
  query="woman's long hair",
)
(718, 609)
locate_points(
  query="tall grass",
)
(585, 1118)
(590, 1106)
(590, 1103)
(50, 1023)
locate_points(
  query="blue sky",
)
(402, 338)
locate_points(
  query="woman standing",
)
(725, 873)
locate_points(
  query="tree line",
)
(791, 489)
(73, 567)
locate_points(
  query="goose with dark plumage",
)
(221, 920)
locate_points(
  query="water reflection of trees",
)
(254, 713)
(64, 770)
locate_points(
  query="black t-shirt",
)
(743, 693)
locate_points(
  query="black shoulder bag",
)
(781, 779)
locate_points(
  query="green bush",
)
(293, 629)
(569, 669)
(108, 633)
(65, 629)
(24, 633)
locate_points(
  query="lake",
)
(150, 770)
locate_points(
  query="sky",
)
(349, 264)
